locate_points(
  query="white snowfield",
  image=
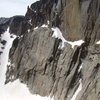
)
(77, 91)
(57, 34)
(98, 42)
(14, 90)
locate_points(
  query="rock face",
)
(37, 59)
(14, 23)
(4, 22)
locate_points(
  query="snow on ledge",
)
(81, 66)
(98, 42)
(36, 28)
(44, 25)
(77, 91)
(58, 34)
(78, 43)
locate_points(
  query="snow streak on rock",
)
(80, 67)
(57, 34)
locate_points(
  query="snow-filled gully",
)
(15, 90)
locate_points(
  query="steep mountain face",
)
(38, 59)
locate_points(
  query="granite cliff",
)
(38, 59)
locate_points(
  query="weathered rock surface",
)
(37, 59)
(46, 69)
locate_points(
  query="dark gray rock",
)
(3, 42)
(15, 25)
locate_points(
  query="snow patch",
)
(28, 30)
(78, 43)
(80, 67)
(36, 28)
(78, 90)
(58, 34)
(48, 22)
(44, 25)
(35, 11)
(20, 36)
(98, 42)
(30, 22)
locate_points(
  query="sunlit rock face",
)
(77, 19)
(57, 51)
